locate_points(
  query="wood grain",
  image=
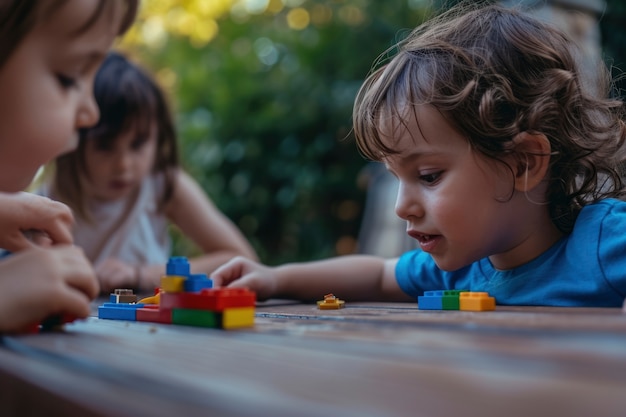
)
(368, 359)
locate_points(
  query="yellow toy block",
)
(173, 283)
(476, 301)
(330, 302)
(236, 317)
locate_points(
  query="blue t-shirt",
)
(586, 268)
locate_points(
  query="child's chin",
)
(448, 265)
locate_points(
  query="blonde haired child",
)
(49, 53)
(507, 169)
(125, 186)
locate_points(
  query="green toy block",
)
(199, 318)
(450, 299)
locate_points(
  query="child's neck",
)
(537, 233)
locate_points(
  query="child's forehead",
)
(412, 125)
(73, 18)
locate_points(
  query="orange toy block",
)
(476, 301)
(330, 302)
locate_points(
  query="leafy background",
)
(263, 91)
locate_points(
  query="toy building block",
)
(476, 301)
(177, 265)
(197, 282)
(154, 314)
(173, 283)
(233, 318)
(431, 300)
(117, 311)
(122, 295)
(330, 302)
(230, 318)
(450, 299)
(199, 318)
(214, 299)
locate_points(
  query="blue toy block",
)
(177, 265)
(431, 300)
(114, 311)
(197, 282)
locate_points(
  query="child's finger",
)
(80, 274)
(16, 242)
(59, 233)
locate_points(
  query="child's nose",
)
(407, 203)
(123, 161)
(88, 112)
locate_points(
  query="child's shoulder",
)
(606, 206)
(609, 211)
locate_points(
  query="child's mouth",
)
(427, 242)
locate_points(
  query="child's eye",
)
(66, 81)
(430, 177)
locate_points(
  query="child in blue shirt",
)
(507, 168)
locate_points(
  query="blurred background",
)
(263, 92)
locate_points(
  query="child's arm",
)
(37, 283)
(199, 220)
(354, 277)
(24, 213)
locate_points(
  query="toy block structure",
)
(456, 300)
(330, 302)
(477, 301)
(187, 299)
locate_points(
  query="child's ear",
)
(532, 159)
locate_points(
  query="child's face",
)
(455, 201)
(115, 171)
(46, 87)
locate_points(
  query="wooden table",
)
(368, 359)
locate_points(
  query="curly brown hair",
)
(495, 72)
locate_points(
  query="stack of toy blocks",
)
(456, 300)
(187, 299)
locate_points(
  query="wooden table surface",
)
(368, 359)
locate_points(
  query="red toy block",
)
(214, 299)
(154, 314)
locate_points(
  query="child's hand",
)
(41, 282)
(113, 273)
(241, 272)
(27, 220)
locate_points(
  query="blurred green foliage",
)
(264, 115)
